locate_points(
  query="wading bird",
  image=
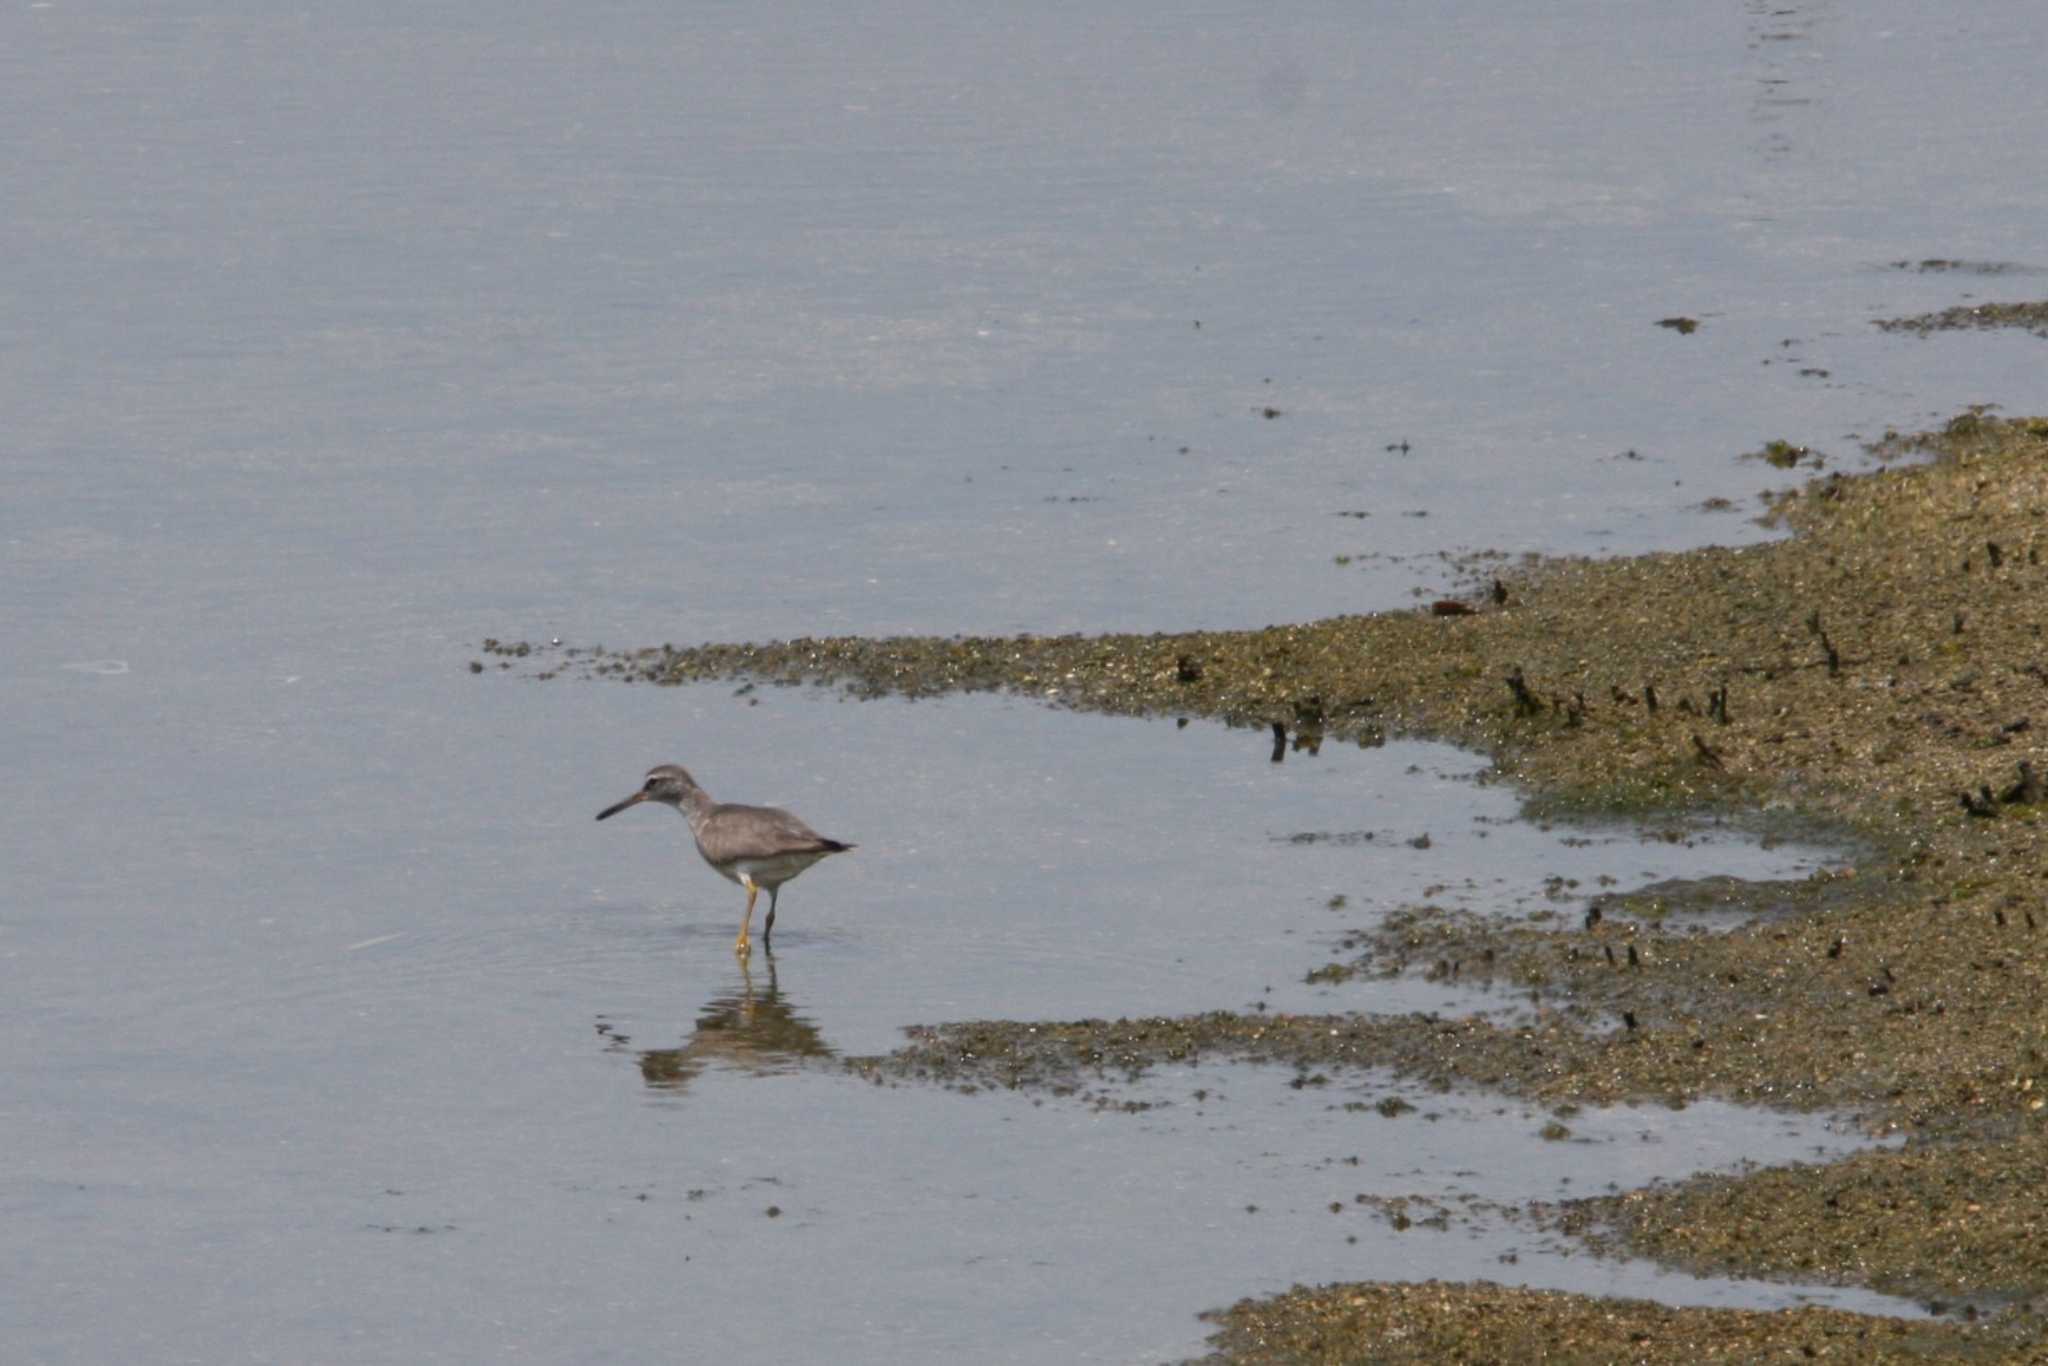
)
(755, 846)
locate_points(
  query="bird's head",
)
(669, 784)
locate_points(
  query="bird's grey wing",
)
(737, 832)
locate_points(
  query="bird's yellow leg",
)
(743, 947)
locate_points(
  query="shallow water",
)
(1018, 862)
(556, 1208)
(338, 341)
(721, 322)
(426, 1058)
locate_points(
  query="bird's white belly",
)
(769, 872)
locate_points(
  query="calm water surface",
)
(337, 341)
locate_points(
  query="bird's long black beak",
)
(617, 807)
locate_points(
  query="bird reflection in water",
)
(750, 1031)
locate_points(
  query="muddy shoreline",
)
(1880, 674)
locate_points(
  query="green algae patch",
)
(1945, 265)
(1955, 1221)
(1882, 671)
(1785, 455)
(2028, 317)
(1717, 899)
(1435, 1322)
(1079, 1056)
(1696, 1001)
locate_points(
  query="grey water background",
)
(335, 341)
